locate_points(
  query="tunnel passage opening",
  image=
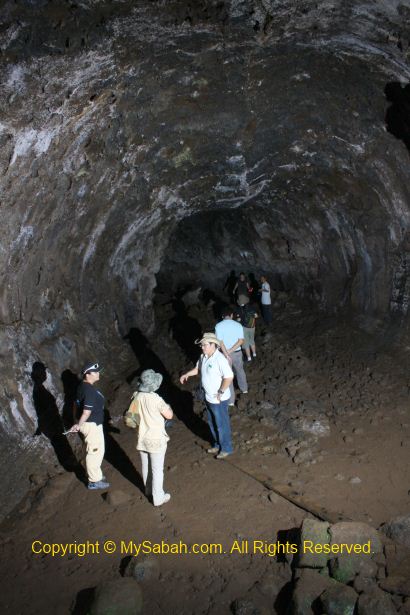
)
(301, 255)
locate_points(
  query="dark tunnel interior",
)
(151, 151)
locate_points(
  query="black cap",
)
(90, 367)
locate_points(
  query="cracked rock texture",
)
(145, 145)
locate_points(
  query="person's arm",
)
(227, 378)
(224, 351)
(192, 372)
(167, 412)
(224, 385)
(237, 345)
(83, 419)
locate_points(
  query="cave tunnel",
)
(147, 148)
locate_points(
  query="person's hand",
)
(75, 428)
(183, 378)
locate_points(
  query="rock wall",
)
(150, 141)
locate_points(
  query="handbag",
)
(132, 417)
(199, 393)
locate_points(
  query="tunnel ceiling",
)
(125, 126)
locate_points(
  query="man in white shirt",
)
(266, 302)
(216, 376)
(232, 336)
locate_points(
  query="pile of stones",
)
(365, 582)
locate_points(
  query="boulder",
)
(355, 533)
(309, 586)
(339, 600)
(398, 529)
(121, 596)
(313, 533)
(364, 584)
(345, 567)
(376, 602)
(396, 585)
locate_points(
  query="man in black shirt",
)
(90, 424)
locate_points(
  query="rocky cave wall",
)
(138, 140)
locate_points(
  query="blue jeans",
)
(220, 426)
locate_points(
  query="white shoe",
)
(213, 450)
(249, 359)
(244, 392)
(166, 498)
(222, 455)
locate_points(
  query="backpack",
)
(247, 316)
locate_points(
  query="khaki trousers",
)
(94, 441)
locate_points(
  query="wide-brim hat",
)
(149, 381)
(210, 338)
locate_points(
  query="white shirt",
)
(265, 299)
(213, 370)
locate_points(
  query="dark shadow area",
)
(185, 330)
(70, 385)
(291, 536)
(213, 302)
(117, 457)
(124, 564)
(119, 460)
(398, 114)
(218, 306)
(282, 604)
(253, 287)
(49, 422)
(181, 402)
(83, 601)
(283, 600)
(230, 284)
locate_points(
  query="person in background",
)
(148, 411)
(91, 403)
(231, 335)
(216, 376)
(266, 302)
(242, 286)
(246, 314)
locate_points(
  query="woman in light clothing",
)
(148, 411)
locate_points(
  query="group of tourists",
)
(220, 361)
(249, 290)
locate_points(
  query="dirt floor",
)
(323, 433)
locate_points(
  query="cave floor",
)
(352, 465)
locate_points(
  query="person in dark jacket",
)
(91, 403)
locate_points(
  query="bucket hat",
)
(149, 381)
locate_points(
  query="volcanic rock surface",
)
(145, 146)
